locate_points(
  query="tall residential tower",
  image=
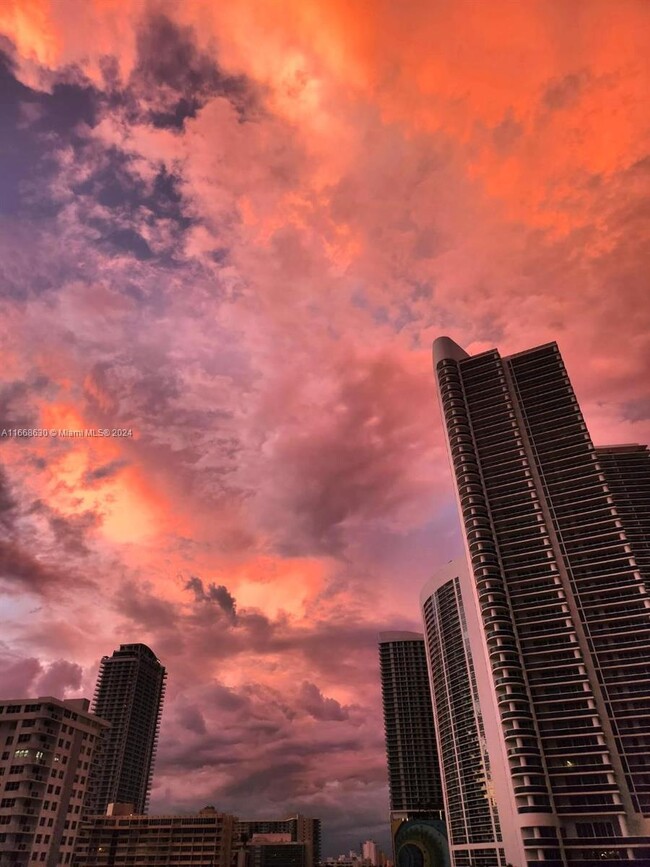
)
(416, 802)
(129, 695)
(559, 590)
(472, 818)
(412, 753)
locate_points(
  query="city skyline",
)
(228, 267)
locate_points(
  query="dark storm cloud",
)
(564, 93)
(126, 240)
(223, 598)
(321, 708)
(191, 718)
(181, 78)
(36, 560)
(274, 727)
(220, 696)
(130, 214)
(22, 570)
(8, 504)
(638, 410)
(277, 778)
(70, 532)
(139, 383)
(191, 637)
(103, 472)
(15, 402)
(129, 205)
(35, 125)
(139, 604)
(213, 593)
(264, 752)
(30, 122)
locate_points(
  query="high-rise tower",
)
(472, 818)
(627, 472)
(129, 695)
(412, 753)
(564, 613)
(416, 802)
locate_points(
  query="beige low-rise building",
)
(47, 747)
(121, 838)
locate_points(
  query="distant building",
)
(301, 829)
(47, 747)
(277, 850)
(557, 536)
(125, 839)
(354, 859)
(370, 853)
(343, 861)
(129, 695)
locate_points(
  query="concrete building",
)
(558, 586)
(129, 694)
(471, 813)
(301, 829)
(411, 749)
(276, 850)
(627, 472)
(47, 748)
(125, 838)
(370, 853)
(416, 801)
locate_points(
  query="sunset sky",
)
(235, 228)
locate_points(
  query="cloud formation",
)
(235, 261)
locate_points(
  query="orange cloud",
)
(131, 512)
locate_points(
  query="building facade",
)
(627, 473)
(276, 850)
(560, 593)
(416, 802)
(299, 828)
(47, 748)
(129, 695)
(411, 748)
(471, 813)
(125, 838)
(370, 853)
